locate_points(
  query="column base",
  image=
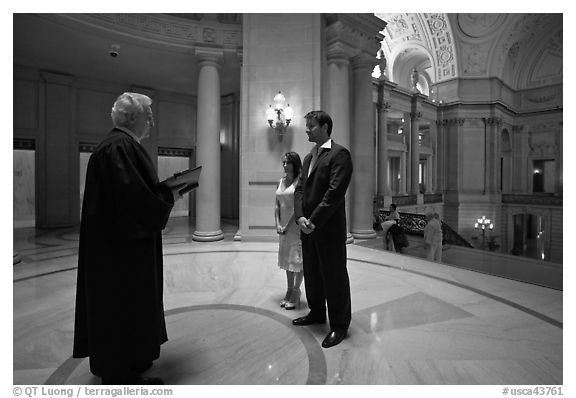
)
(349, 238)
(238, 236)
(212, 236)
(367, 234)
(16, 258)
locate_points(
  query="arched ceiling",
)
(523, 50)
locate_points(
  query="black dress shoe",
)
(307, 320)
(134, 380)
(334, 338)
(149, 381)
(142, 367)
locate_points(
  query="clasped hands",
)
(305, 225)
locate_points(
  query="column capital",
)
(209, 56)
(518, 128)
(240, 56)
(364, 61)
(383, 106)
(338, 52)
(415, 115)
(492, 121)
(453, 121)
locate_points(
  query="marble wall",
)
(23, 188)
(282, 52)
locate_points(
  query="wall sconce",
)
(279, 117)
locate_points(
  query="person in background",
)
(393, 218)
(433, 237)
(119, 316)
(290, 248)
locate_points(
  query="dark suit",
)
(320, 197)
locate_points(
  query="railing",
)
(414, 224)
(405, 200)
(540, 200)
(399, 138)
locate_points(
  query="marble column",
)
(429, 173)
(362, 146)
(559, 160)
(338, 105)
(414, 152)
(383, 187)
(208, 147)
(406, 128)
(403, 174)
(58, 168)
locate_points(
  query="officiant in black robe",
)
(119, 321)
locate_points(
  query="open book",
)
(185, 180)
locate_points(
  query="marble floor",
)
(413, 321)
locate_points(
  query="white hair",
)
(126, 105)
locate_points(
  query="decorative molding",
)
(209, 56)
(537, 200)
(24, 143)
(459, 121)
(474, 57)
(432, 31)
(478, 25)
(383, 106)
(517, 128)
(87, 147)
(415, 115)
(263, 183)
(361, 32)
(193, 29)
(492, 121)
(179, 152)
(338, 52)
(364, 61)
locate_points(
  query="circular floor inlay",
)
(225, 344)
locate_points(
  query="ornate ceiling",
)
(523, 50)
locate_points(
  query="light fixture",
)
(279, 117)
(484, 223)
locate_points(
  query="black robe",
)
(119, 309)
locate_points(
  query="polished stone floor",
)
(413, 321)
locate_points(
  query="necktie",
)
(315, 151)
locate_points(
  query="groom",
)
(319, 210)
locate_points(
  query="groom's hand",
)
(304, 225)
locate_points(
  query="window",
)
(543, 173)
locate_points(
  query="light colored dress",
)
(290, 250)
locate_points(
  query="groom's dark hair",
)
(322, 118)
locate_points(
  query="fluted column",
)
(362, 146)
(383, 187)
(208, 147)
(403, 174)
(559, 160)
(414, 152)
(338, 105)
(58, 189)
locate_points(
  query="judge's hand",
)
(280, 230)
(176, 194)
